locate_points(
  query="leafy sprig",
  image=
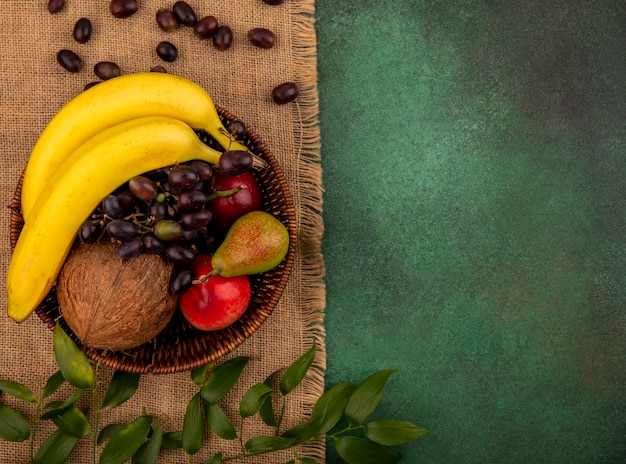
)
(343, 414)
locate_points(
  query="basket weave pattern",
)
(180, 347)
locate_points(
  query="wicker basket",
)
(180, 347)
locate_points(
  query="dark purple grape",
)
(180, 281)
(151, 244)
(143, 188)
(261, 37)
(285, 93)
(168, 230)
(182, 177)
(237, 129)
(178, 253)
(82, 30)
(206, 27)
(167, 51)
(107, 70)
(130, 248)
(273, 2)
(126, 200)
(123, 8)
(202, 186)
(191, 199)
(223, 38)
(184, 13)
(166, 20)
(89, 85)
(54, 6)
(158, 68)
(166, 186)
(111, 207)
(157, 211)
(210, 242)
(121, 229)
(235, 162)
(69, 60)
(202, 168)
(190, 235)
(88, 232)
(195, 219)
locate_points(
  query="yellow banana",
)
(112, 102)
(95, 169)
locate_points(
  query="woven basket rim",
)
(203, 347)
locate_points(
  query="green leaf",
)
(56, 449)
(268, 443)
(219, 423)
(126, 442)
(326, 413)
(216, 459)
(308, 461)
(302, 432)
(73, 423)
(266, 411)
(73, 362)
(53, 383)
(296, 371)
(149, 451)
(13, 425)
(123, 385)
(223, 379)
(199, 374)
(173, 440)
(253, 399)
(193, 429)
(59, 407)
(366, 397)
(70, 400)
(17, 390)
(393, 432)
(107, 432)
(330, 407)
(356, 450)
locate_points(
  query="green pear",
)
(255, 243)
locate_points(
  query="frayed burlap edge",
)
(308, 145)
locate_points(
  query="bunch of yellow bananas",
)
(102, 138)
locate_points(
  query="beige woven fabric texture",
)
(34, 87)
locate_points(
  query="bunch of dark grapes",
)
(162, 212)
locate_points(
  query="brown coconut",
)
(114, 304)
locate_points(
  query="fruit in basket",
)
(76, 189)
(110, 103)
(113, 304)
(233, 197)
(215, 303)
(255, 243)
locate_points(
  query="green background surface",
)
(474, 165)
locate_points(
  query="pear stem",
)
(206, 277)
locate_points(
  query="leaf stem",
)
(282, 414)
(36, 423)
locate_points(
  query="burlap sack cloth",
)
(240, 79)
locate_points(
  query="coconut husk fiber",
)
(240, 79)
